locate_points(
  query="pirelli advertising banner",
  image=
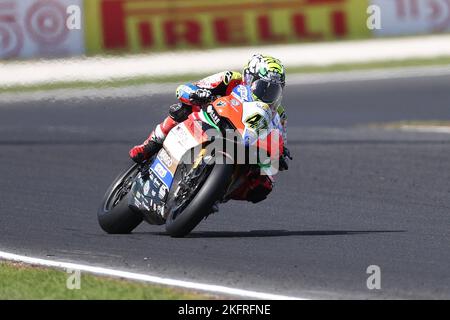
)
(59, 28)
(134, 26)
(405, 17)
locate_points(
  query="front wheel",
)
(114, 214)
(187, 210)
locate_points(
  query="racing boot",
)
(145, 151)
(154, 142)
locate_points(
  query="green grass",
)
(23, 282)
(189, 77)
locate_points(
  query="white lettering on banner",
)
(40, 28)
(401, 17)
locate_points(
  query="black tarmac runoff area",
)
(355, 195)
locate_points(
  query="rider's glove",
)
(284, 163)
(200, 96)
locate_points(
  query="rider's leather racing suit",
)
(257, 186)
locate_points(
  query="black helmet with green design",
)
(266, 77)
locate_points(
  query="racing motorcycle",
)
(186, 180)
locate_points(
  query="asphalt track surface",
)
(354, 196)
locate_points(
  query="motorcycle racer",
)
(265, 77)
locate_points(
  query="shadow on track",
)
(276, 233)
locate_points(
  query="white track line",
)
(146, 278)
(100, 68)
(147, 90)
(426, 129)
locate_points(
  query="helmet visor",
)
(267, 92)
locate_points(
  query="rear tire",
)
(200, 206)
(119, 219)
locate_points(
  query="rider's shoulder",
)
(230, 76)
(227, 77)
(224, 77)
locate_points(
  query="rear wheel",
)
(197, 191)
(114, 214)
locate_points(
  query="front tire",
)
(200, 206)
(114, 215)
